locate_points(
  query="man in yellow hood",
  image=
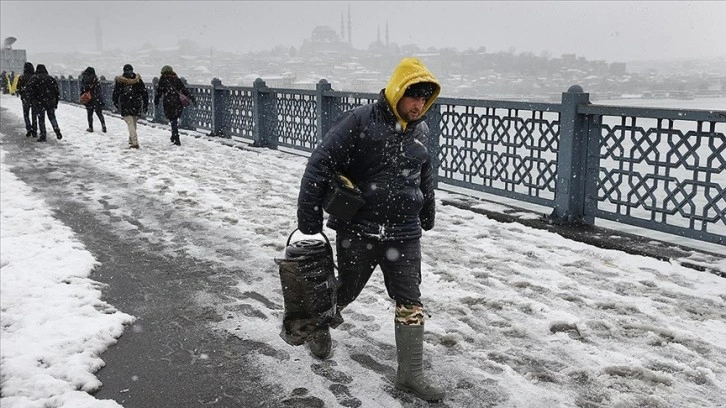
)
(382, 149)
(411, 78)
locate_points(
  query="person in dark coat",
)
(31, 121)
(89, 83)
(168, 90)
(131, 99)
(382, 149)
(44, 94)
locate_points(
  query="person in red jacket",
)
(168, 90)
(89, 83)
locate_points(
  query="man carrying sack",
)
(381, 148)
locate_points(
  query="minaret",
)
(99, 35)
(342, 27)
(386, 33)
(350, 37)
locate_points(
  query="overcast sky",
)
(613, 30)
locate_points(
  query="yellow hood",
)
(408, 72)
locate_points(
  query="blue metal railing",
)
(660, 169)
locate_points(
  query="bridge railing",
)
(660, 169)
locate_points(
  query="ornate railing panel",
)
(661, 169)
(504, 148)
(345, 101)
(238, 112)
(199, 116)
(295, 122)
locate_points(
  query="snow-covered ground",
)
(518, 317)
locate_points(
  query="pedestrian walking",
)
(14, 85)
(89, 83)
(31, 121)
(44, 95)
(172, 92)
(11, 83)
(381, 148)
(131, 99)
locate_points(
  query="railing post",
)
(74, 89)
(61, 87)
(106, 92)
(324, 110)
(433, 120)
(185, 121)
(157, 115)
(65, 88)
(263, 116)
(219, 105)
(570, 186)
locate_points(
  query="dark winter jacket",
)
(130, 96)
(385, 156)
(168, 88)
(392, 168)
(28, 72)
(89, 82)
(42, 89)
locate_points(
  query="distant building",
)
(326, 41)
(618, 68)
(11, 60)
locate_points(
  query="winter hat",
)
(28, 68)
(166, 70)
(40, 69)
(90, 71)
(128, 68)
(420, 90)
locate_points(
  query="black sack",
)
(344, 199)
(309, 288)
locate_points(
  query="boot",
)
(103, 127)
(337, 320)
(410, 377)
(58, 133)
(90, 129)
(41, 138)
(320, 343)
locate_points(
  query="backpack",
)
(127, 90)
(127, 95)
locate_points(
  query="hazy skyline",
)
(612, 30)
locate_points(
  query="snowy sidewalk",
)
(185, 239)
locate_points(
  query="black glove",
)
(309, 228)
